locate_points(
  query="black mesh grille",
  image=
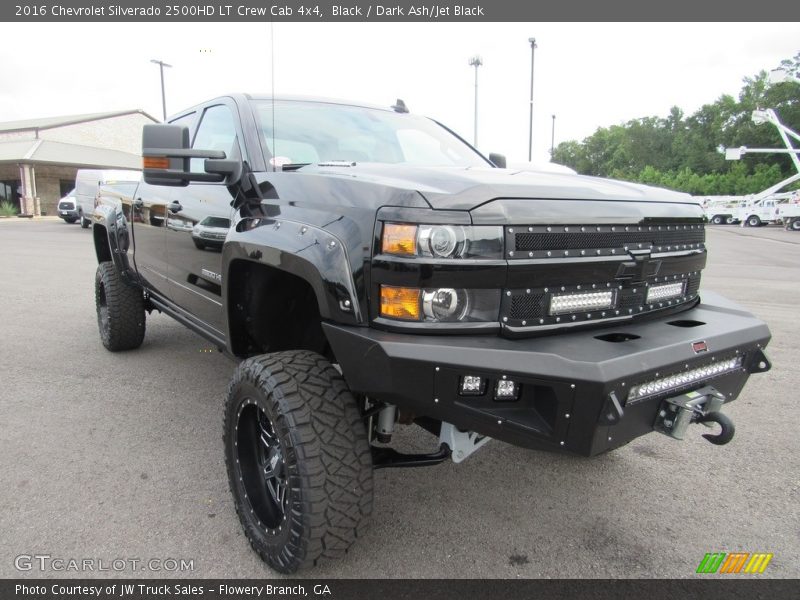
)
(527, 306)
(693, 286)
(631, 300)
(563, 240)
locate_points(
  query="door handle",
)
(138, 203)
(175, 207)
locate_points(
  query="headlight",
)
(442, 305)
(442, 241)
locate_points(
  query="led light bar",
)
(657, 293)
(680, 380)
(581, 302)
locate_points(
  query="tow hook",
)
(700, 406)
(724, 421)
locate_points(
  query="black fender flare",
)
(112, 238)
(315, 255)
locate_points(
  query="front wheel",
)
(84, 222)
(120, 310)
(795, 225)
(298, 459)
(753, 221)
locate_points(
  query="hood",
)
(464, 188)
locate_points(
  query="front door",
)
(197, 222)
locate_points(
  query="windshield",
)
(313, 132)
(216, 222)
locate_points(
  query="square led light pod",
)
(472, 385)
(506, 390)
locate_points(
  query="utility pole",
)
(161, 64)
(530, 125)
(476, 62)
(553, 138)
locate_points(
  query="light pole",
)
(476, 62)
(553, 138)
(530, 125)
(161, 64)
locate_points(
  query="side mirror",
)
(498, 160)
(166, 157)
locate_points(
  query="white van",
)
(87, 183)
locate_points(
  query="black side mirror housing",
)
(166, 157)
(498, 160)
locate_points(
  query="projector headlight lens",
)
(442, 241)
(442, 305)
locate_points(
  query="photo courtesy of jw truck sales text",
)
(366, 267)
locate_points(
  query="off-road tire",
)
(326, 461)
(120, 310)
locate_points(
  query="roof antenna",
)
(272, 57)
(400, 106)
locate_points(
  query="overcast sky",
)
(587, 74)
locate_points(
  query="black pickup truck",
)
(368, 268)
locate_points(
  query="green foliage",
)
(682, 153)
(7, 209)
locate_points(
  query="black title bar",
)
(395, 11)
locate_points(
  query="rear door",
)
(198, 219)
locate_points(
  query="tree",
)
(683, 153)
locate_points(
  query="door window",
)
(216, 132)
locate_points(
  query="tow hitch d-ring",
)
(724, 421)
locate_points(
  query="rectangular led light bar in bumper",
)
(681, 380)
(667, 291)
(582, 302)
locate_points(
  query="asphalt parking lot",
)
(109, 456)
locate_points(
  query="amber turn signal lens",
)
(399, 239)
(155, 162)
(400, 303)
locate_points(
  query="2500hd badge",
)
(366, 267)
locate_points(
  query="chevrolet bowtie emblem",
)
(641, 267)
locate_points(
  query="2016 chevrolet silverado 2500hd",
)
(368, 267)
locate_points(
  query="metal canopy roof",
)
(59, 153)
(63, 121)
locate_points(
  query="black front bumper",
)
(574, 386)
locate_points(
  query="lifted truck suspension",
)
(700, 406)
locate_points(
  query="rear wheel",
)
(717, 220)
(120, 310)
(298, 459)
